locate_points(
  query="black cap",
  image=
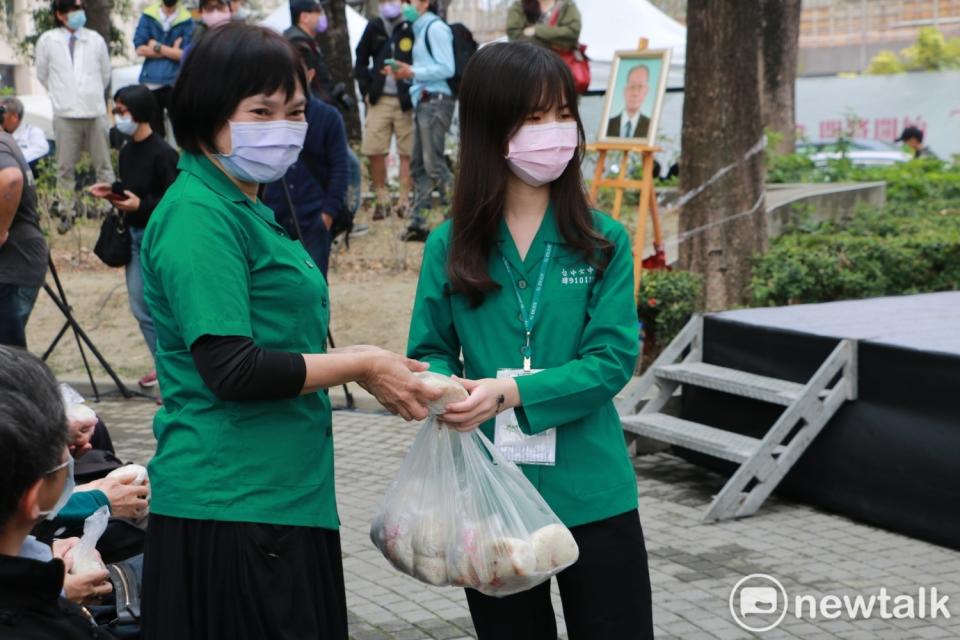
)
(306, 6)
(910, 132)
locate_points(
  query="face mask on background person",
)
(410, 13)
(322, 23)
(263, 151)
(390, 10)
(213, 18)
(539, 153)
(125, 125)
(68, 486)
(76, 19)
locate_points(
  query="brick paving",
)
(693, 566)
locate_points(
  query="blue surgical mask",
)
(263, 151)
(76, 19)
(68, 487)
(125, 125)
(322, 24)
(390, 10)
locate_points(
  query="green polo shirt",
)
(215, 262)
(584, 338)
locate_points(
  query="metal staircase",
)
(763, 461)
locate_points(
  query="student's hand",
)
(530, 31)
(87, 588)
(130, 205)
(482, 405)
(126, 500)
(403, 71)
(327, 220)
(80, 433)
(100, 189)
(61, 547)
(178, 42)
(390, 381)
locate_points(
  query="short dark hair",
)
(229, 63)
(63, 6)
(139, 101)
(33, 426)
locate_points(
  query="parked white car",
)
(862, 152)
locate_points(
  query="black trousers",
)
(605, 594)
(211, 580)
(162, 96)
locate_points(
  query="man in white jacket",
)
(73, 64)
(32, 141)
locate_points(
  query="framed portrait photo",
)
(631, 107)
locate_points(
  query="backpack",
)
(464, 46)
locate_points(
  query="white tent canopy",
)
(618, 26)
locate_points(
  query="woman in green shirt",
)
(243, 541)
(554, 24)
(535, 291)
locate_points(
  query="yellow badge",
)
(405, 44)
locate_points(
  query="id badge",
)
(514, 444)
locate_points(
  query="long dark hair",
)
(503, 84)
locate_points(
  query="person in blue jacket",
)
(317, 183)
(162, 34)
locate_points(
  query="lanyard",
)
(528, 320)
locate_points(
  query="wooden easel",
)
(648, 199)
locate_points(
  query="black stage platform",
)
(890, 458)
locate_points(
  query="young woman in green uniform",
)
(243, 542)
(536, 291)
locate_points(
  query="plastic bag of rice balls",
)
(460, 514)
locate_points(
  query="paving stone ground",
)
(693, 566)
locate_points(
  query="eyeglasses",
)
(62, 465)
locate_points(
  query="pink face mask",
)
(539, 153)
(213, 18)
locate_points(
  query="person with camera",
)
(316, 184)
(23, 251)
(148, 165)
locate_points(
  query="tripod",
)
(59, 298)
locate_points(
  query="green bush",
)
(665, 301)
(878, 253)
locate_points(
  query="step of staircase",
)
(692, 435)
(741, 383)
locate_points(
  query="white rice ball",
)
(510, 557)
(554, 547)
(430, 570)
(137, 472)
(453, 391)
(430, 536)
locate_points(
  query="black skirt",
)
(210, 580)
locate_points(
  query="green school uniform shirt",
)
(215, 262)
(584, 337)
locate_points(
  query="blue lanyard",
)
(528, 319)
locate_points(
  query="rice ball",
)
(554, 547)
(453, 391)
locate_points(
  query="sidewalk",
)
(693, 565)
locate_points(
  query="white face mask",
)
(263, 151)
(125, 125)
(68, 487)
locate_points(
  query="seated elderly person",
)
(31, 140)
(35, 482)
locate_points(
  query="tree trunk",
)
(336, 48)
(779, 42)
(723, 221)
(98, 18)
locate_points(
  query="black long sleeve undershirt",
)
(236, 369)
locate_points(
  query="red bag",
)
(579, 65)
(576, 60)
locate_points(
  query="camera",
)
(342, 97)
